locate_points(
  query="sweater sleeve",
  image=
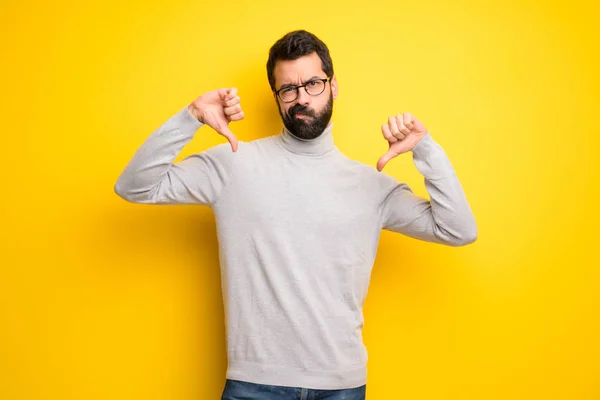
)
(151, 176)
(446, 218)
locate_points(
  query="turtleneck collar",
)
(310, 147)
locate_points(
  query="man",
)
(298, 223)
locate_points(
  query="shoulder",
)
(378, 183)
(246, 149)
(366, 171)
(259, 147)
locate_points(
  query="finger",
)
(231, 94)
(385, 128)
(232, 102)
(233, 109)
(393, 127)
(385, 158)
(222, 128)
(230, 137)
(223, 92)
(401, 127)
(408, 120)
(236, 117)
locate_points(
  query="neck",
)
(317, 146)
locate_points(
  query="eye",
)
(313, 83)
(287, 90)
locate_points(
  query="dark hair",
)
(294, 45)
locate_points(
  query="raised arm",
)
(447, 217)
(152, 177)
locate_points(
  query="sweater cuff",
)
(188, 121)
(423, 146)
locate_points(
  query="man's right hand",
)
(217, 109)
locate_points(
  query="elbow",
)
(125, 194)
(468, 236)
(135, 196)
(468, 239)
(122, 193)
(462, 236)
(457, 238)
(468, 232)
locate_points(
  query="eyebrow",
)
(309, 79)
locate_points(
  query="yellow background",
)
(103, 299)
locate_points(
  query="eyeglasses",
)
(314, 87)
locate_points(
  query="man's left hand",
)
(402, 132)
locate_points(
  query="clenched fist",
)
(402, 132)
(217, 109)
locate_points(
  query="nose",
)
(303, 97)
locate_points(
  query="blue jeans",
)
(240, 390)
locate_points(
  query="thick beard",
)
(310, 128)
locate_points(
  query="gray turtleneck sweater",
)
(298, 225)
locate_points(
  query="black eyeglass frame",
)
(297, 89)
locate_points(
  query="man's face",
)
(307, 116)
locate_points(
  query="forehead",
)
(299, 70)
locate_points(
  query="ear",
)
(334, 87)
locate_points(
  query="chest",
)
(312, 198)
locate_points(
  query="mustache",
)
(298, 108)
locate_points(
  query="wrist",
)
(423, 142)
(195, 112)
